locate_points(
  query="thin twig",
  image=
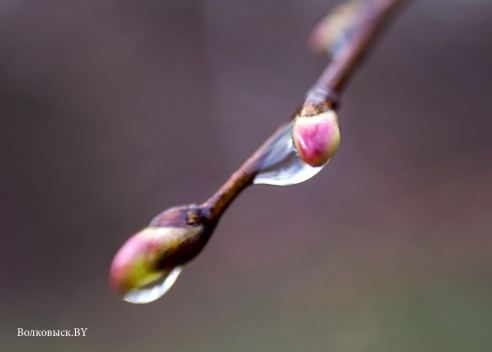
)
(324, 95)
(178, 234)
(334, 78)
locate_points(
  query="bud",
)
(316, 138)
(333, 32)
(147, 258)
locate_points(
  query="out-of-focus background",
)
(112, 111)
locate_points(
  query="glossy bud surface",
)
(316, 138)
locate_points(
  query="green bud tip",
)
(173, 238)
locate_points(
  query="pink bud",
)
(316, 137)
(152, 253)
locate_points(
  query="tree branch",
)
(363, 23)
(141, 270)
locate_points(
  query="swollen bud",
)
(333, 32)
(316, 137)
(148, 263)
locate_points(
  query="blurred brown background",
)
(111, 111)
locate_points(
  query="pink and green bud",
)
(148, 255)
(316, 138)
(173, 238)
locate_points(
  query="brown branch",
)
(334, 78)
(324, 95)
(178, 234)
